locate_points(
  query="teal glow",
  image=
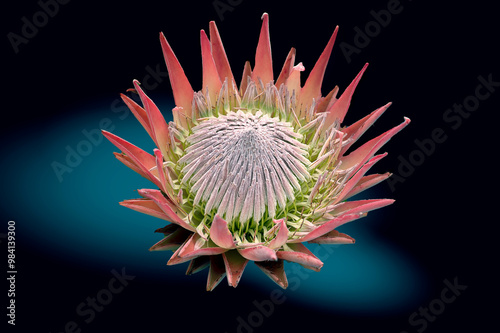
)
(79, 219)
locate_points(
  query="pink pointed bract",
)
(252, 172)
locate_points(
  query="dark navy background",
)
(72, 237)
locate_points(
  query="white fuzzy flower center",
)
(242, 164)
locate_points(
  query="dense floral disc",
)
(244, 163)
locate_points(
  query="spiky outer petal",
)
(366, 182)
(235, 265)
(211, 80)
(247, 73)
(301, 255)
(333, 237)
(312, 87)
(183, 93)
(293, 81)
(191, 249)
(145, 206)
(216, 273)
(157, 123)
(172, 241)
(198, 264)
(160, 171)
(220, 234)
(360, 206)
(142, 160)
(327, 102)
(258, 253)
(357, 177)
(275, 270)
(287, 68)
(326, 227)
(263, 68)
(219, 55)
(125, 159)
(281, 235)
(168, 229)
(340, 107)
(367, 150)
(139, 113)
(167, 207)
(175, 258)
(354, 131)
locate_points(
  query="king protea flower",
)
(252, 173)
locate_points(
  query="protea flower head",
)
(251, 173)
